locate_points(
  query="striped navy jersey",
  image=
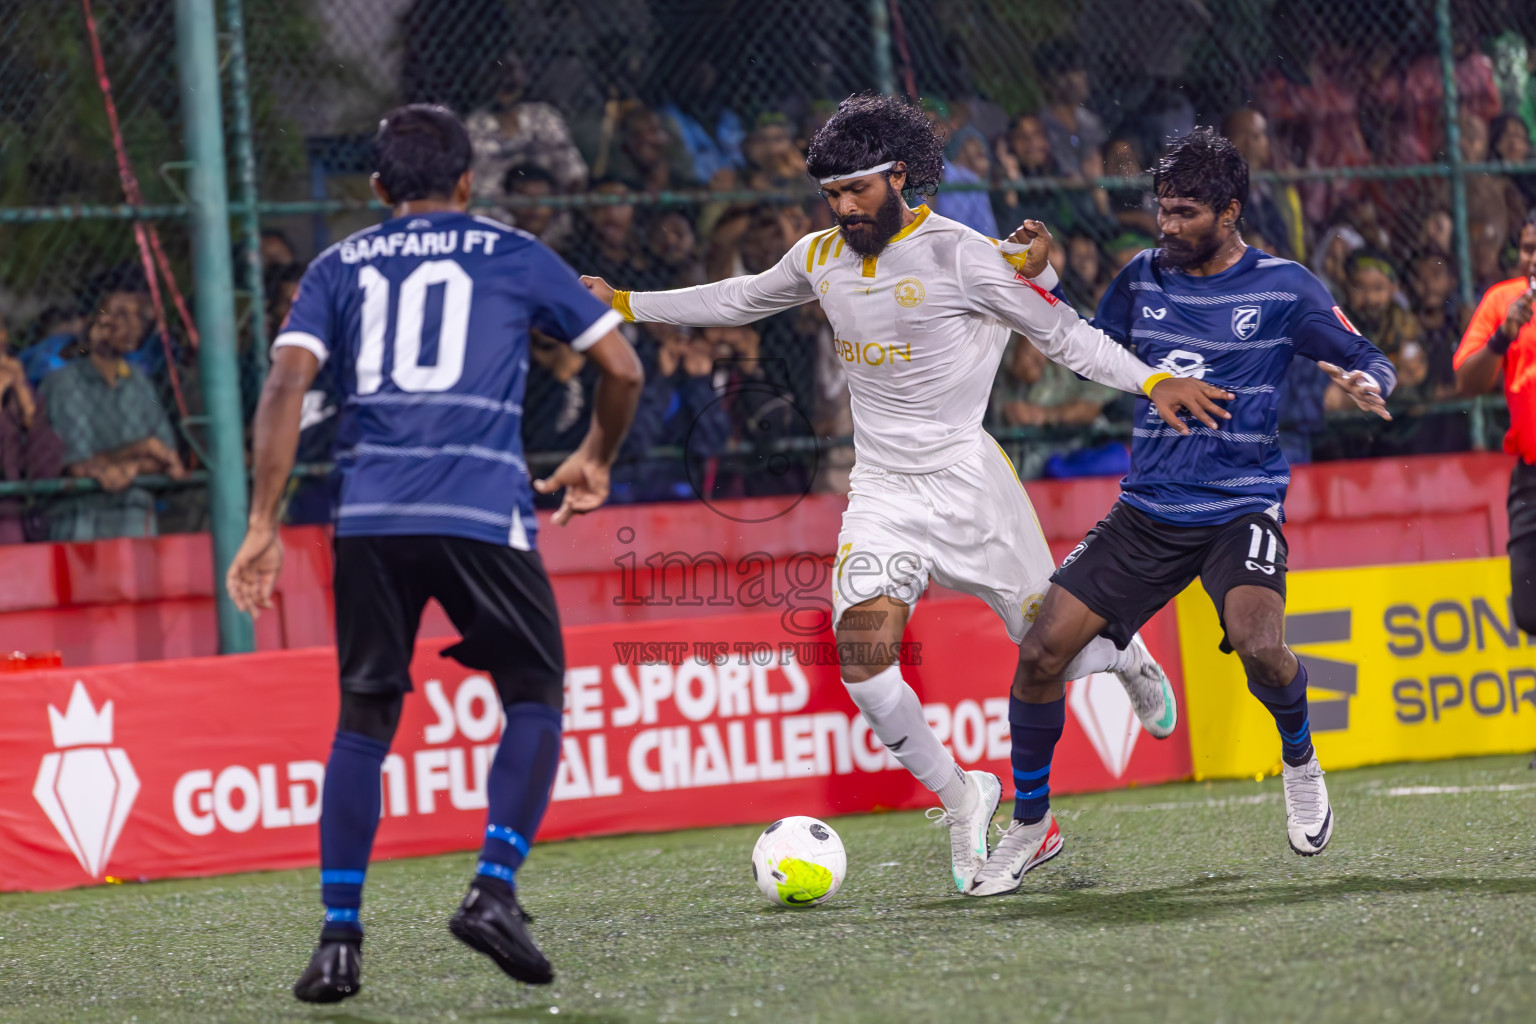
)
(1237, 330)
(425, 320)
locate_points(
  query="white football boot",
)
(968, 827)
(1021, 849)
(1150, 691)
(1308, 815)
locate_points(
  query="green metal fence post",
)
(880, 37)
(1453, 148)
(197, 58)
(245, 164)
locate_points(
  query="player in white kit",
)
(921, 308)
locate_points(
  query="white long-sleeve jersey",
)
(920, 329)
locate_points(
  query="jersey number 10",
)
(410, 306)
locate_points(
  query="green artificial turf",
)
(1179, 903)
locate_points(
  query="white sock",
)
(895, 715)
(1101, 655)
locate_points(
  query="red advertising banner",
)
(214, 765)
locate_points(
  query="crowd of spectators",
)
(101, 391)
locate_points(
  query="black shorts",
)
(498, 598)
(1130, 565)
(1522, 502)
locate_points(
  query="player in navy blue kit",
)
(425, 320)
(1206, 503)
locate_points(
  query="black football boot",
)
(490, 921)
(335, 969)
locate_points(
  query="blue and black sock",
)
(349, 816)
(1036, 730)
(1288, 704)
(518, 790)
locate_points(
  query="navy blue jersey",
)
(1237, 330)
(425, 322)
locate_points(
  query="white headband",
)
(859, 174)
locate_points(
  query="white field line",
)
(1186, 805)
(1503, 787)
(1264, 798)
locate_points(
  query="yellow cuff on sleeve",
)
(1146, 385)
(621, 305)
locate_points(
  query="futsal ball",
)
(798, 862)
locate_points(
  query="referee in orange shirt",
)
(1502, 336)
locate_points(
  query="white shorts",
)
(970, 527)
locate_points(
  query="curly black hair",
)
(869, 129)
(1204, 166)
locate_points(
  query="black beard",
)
(868, 237)
(1183, 256)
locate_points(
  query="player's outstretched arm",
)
(734, 302)
(1360, 386)
(1324, 333)
(998, 290)
(253, 573)
(584, 474)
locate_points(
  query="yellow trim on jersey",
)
(1011, 467)
(1153, 381)
(826, 247)
(1015, 471)
(869, 266)
(922, 214)
(810, 252)
(838, 250)
(621, 306)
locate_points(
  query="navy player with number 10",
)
(1206, 503)
(425, 321)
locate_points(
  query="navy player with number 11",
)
(1207, 504)
(425, 319)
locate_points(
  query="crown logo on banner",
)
(1104, 711)
(81, 723)
(86, 787)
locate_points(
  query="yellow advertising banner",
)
(1404, 662)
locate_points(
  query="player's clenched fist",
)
(599, 288)
(1173, 394)
(1037, 237)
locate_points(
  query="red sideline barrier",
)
(207, 766)
(145, 600)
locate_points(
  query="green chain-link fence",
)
(659, 142)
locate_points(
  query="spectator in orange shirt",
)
(1502, 336)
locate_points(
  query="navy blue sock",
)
(518, 790)
(349, 815)
(1036, 729)
(1288, 704)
